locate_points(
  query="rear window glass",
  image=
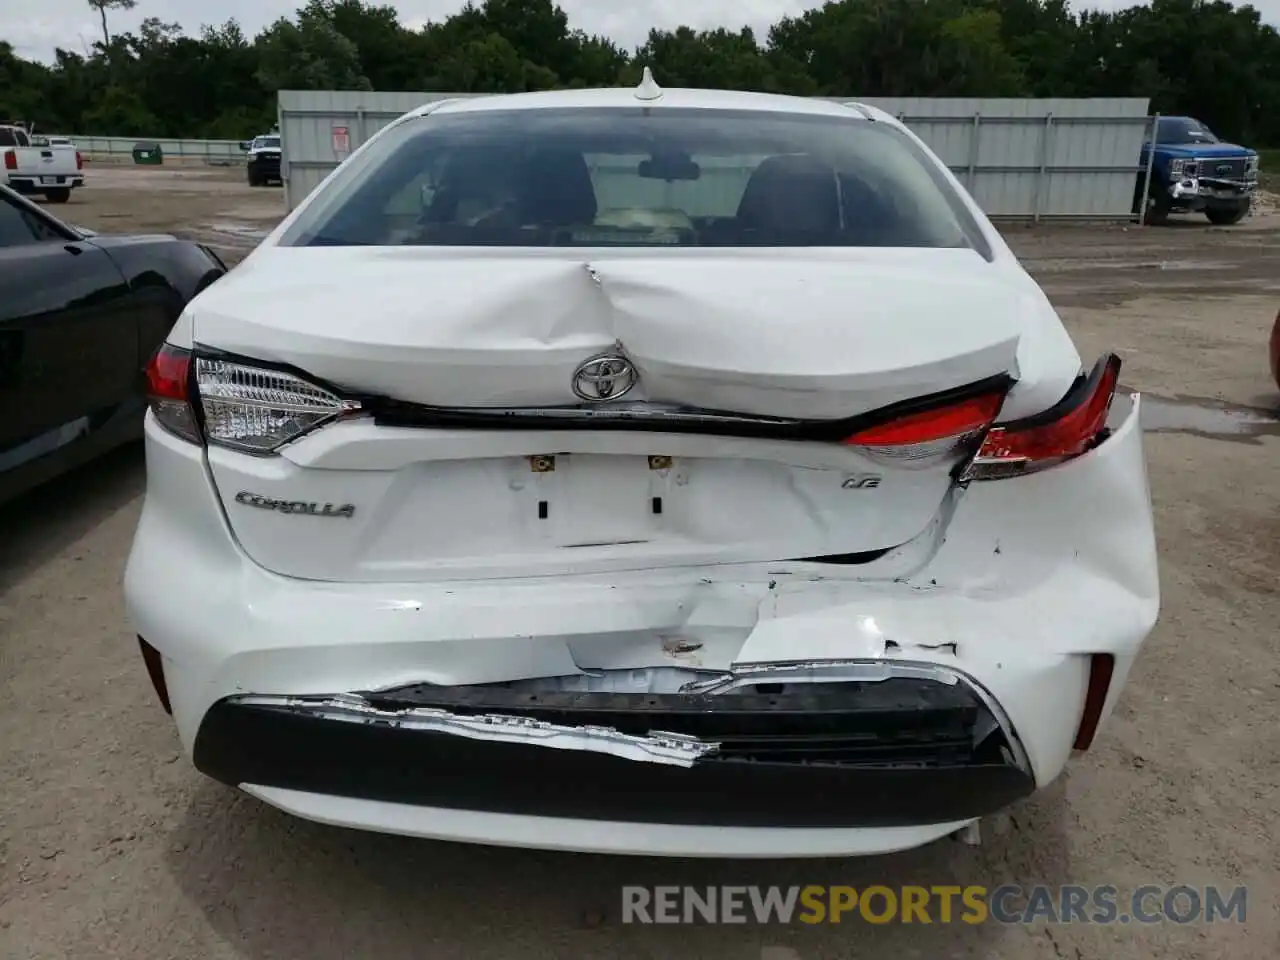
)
(639, 177)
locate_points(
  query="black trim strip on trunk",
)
(394, 413)
(387, 411)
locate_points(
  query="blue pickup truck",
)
(1195, 172)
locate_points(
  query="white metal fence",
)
(218, 152)
(1036, 159)
(1023, 159)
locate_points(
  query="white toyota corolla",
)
(669, 472)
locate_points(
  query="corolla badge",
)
(607, 377)
(304, 507)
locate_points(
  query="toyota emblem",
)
(607, 377)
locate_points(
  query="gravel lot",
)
(112, 846)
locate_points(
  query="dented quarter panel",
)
(1033, 573)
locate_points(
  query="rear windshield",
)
(639, 177)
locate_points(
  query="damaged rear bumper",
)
(1034, 578)
(920, 745)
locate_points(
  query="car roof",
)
(673, 98)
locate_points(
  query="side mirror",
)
(244, 145)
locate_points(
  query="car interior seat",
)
(556, 189)
(790, 194)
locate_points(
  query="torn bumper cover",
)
(1191, 189)
(924, 745)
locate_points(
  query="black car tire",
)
(58, 194)
(1225, 214)
(253, 180)
(1158, 208)
(1158, 202)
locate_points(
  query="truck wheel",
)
(1158, 207)
(253, 180)
(58, 195)
(1228, 213)
(1158, 202)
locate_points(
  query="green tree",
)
(24, 86)
(102, 6)
(120, 112)
(309, 54)
(712, 58)
(885, 48)
(1208, 58)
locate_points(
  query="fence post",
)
(1042, 174)
(282, 125)
(1146, 180)
(975, 134)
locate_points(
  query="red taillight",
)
(944, 423)
(79, 161)
(1102, 667)
(1069, 429)
(947, 432)
(169, 373)
(169, 391)
(10, 160)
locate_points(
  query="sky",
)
(36, 27)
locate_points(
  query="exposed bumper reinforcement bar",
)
(894, 752)
(655, 747)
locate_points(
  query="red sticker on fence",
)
(341, 140)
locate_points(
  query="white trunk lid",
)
(778, 336)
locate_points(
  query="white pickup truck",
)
(30, 164)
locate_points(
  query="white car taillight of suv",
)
(669, 472)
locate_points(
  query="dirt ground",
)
(112, 846)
